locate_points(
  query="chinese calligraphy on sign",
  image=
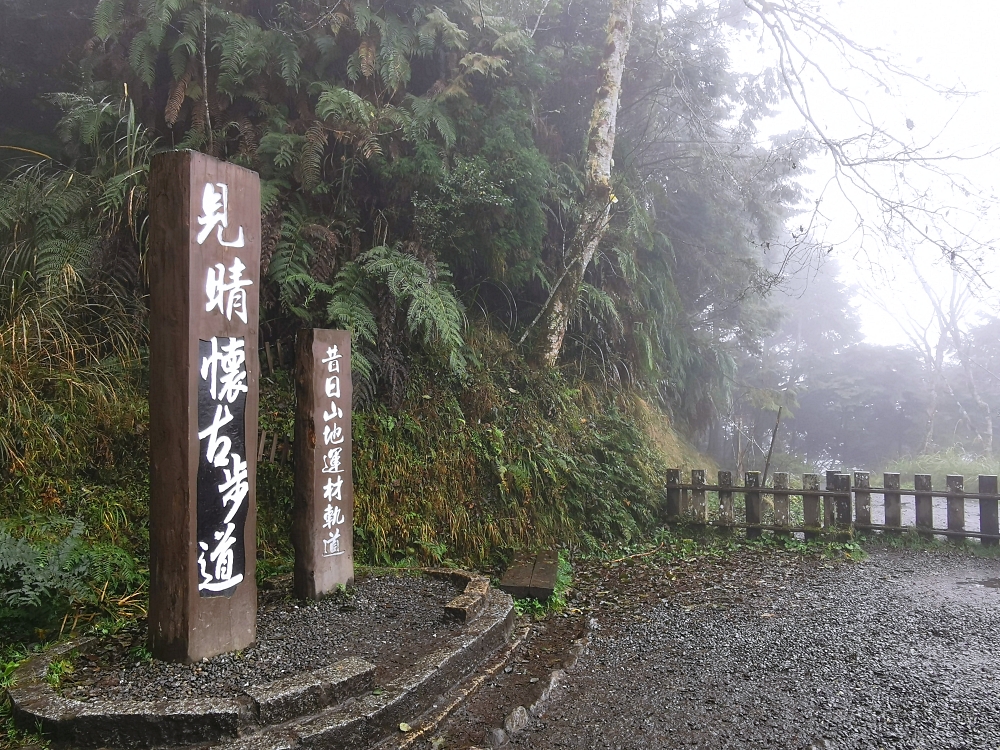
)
(333, 432)
(223, 475)
(324, 496)
(215, 215)
(204, 270)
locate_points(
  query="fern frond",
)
(109, 18)
(353, 68)
(178, 93)
(313, 150)
(366, 57)
(512, 41)
(437, 24)
(289, 60)
(433, 311)
(600, 306)
(142, 57)
(490, 66)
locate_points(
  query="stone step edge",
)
(36, 704)
(363, 721)
(466, 606)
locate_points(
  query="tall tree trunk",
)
(549, 328)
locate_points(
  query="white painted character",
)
(221, 578)
(332, 490)
(332, 387)
(236, 486)
(335, 413)
(228, 297)
(332, 359)
(217, 452)
(331, 461)
(331, 546)
(231, 359)
(334, 435)
(215, 214)
(332, 516)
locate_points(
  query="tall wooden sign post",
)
(323, 516)
(204, 273)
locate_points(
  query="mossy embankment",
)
(459, 469)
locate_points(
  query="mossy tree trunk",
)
(549, 327)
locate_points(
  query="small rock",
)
(404, 727)
(516, 721)
(496, 738)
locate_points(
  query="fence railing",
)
(273, 448)
(843, 506)
(277, 356)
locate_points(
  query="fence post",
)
(269, 357)
(752, 482)
(891, 501)
(673, 509)
(699, 508)
(811, 505)
(829, 501)
(924, 504)
(862, 499)
(726, 514)
(842, 483)
(781, 515)
(956, 505)
(989, 519)
(843, 504)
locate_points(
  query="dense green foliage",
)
(422, 175)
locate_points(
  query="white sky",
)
(956, 45)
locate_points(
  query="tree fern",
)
(433, 312)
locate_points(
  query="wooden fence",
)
(841, 508)
(273, 448)
(277, 356)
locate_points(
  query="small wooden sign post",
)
(204, 279)
(323, 515)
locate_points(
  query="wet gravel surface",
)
(773, 650)
(390, 620)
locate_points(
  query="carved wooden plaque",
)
(323, 521)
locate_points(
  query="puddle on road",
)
(989, 583)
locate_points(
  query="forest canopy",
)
(552, 227)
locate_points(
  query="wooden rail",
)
(279, 355)
(842, 508)
(273, 448)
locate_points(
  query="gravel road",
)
(776, 650)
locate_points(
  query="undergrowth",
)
(511, 458)
(690, 544)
